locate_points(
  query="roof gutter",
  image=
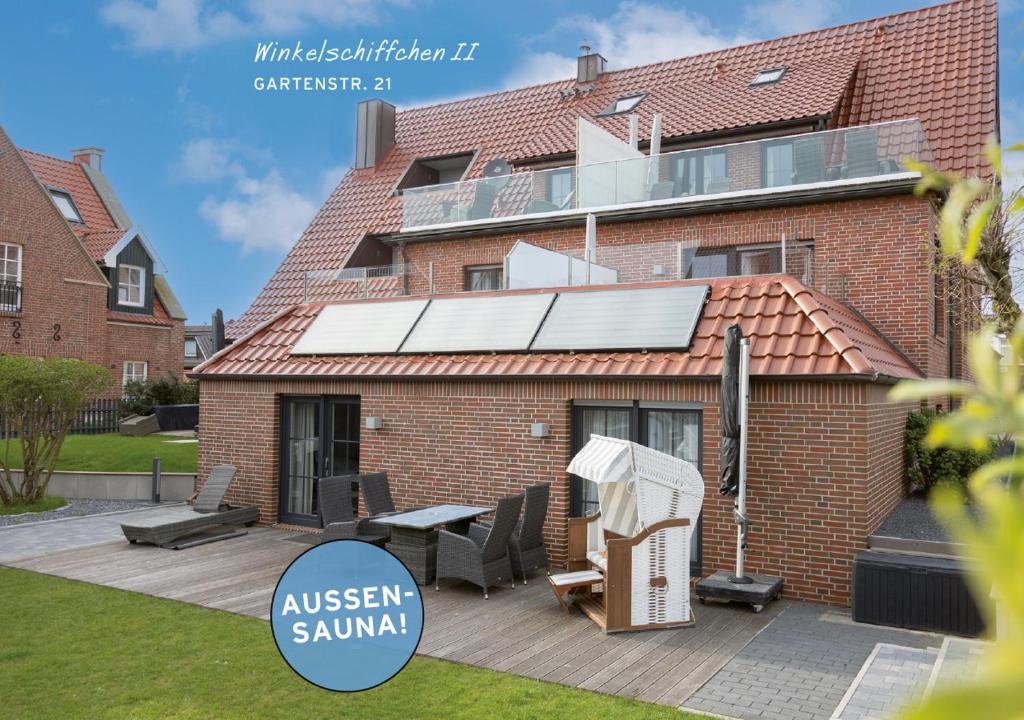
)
(851, 377)
(897, 184)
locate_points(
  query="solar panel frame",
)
(369, 328)
(663, 318)
(499, 323)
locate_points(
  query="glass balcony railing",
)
(821, 158)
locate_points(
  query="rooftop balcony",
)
(532, 266)
(828, 159)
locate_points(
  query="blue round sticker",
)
(347, 615)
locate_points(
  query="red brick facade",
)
(825, 457)
(64, 295)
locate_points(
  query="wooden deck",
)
(522, 631)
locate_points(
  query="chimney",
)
(589, 65)
(91, 156)
(375, 131)
(218, 331)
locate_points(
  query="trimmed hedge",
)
(927, 466)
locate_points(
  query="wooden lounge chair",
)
(167, 528)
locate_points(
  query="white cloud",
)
(257, 208)
(262, 214)
(775, 18)
(637, 33)
(208, 160)
(183, 25)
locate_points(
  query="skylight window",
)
(622, 105)
(768, 77)
(66, 206)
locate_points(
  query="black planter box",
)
(914, 592)
(176, 417)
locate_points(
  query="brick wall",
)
(61, 286)
(824, 457)
(870, 253)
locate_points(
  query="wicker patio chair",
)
(862, 153)
(376, 494)
(808, 160)
(338, 516)
(210, 510)
(482, 557)
(526, 546)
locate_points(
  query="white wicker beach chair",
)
(640, 540)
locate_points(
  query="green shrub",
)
(141, 395)
(39, 401)
(927, 466)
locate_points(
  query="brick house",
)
(774, 190)
(79, 279)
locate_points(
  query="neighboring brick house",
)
(78, 278)
(198, 345)
(778, 190)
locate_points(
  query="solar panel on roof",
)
(360, 328)
(645, 318)
(504, 323)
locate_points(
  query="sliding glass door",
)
(319, 437)
(674, 430)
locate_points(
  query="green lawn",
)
(51, 502)
(119, 453)
(70, 649)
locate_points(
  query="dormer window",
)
(66, 206)
(435, 171)
(131, 285)
(768, 77)
(622, 105)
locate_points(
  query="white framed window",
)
(10, 276)
(131, 285)
(66, 206)
(134, 370)
(191, 348)
(622, 105)
(768, 77)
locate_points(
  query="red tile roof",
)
(937, 64)
(159, 316)
(795, 331)
(98, 243)
(69, 176)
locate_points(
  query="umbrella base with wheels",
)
(757, 592)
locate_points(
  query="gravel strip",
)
(76, 508)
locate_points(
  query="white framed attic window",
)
(134, 370)
(622, 105)
(191, 348)
(66, 206)
(131, 285)
(768, 77)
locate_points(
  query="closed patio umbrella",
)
(729, 455)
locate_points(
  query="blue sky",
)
(223, 178)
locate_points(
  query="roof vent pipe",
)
(589, 65)
(375, 132)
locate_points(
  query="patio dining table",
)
(414, 534)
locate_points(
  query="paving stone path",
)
(41, 538)
(892, 677)
(799, 667)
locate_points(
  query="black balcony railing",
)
(10, 295)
